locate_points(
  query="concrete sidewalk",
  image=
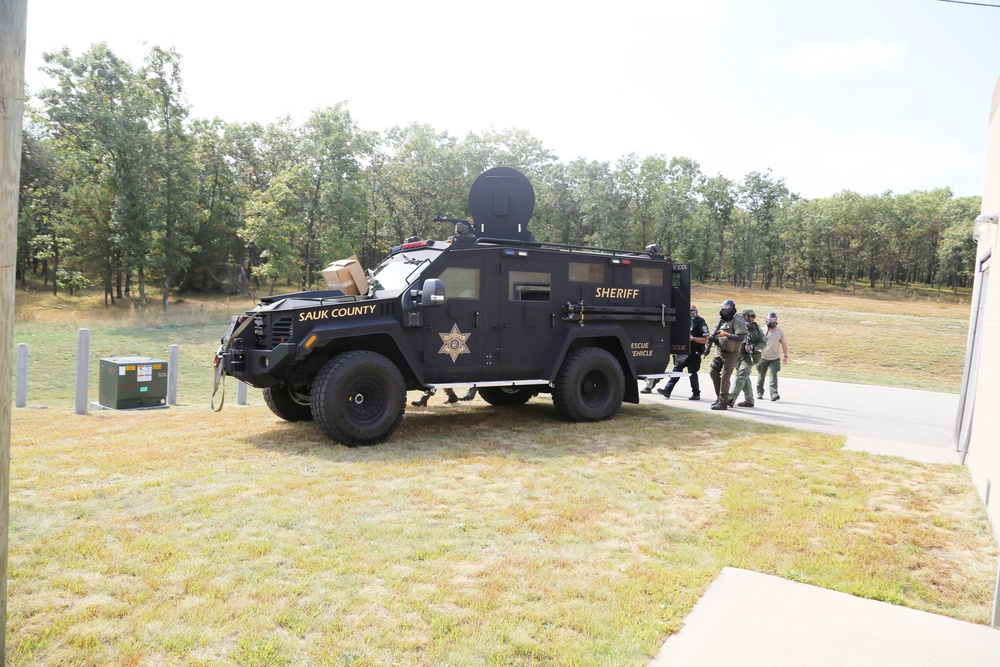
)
(747, 618)
(883, 420)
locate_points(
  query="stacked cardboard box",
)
(347, 276)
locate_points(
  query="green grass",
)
(49, 326)
(476, 536)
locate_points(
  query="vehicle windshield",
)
(401, 270)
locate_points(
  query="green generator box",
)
(133, 382)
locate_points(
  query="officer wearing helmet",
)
(728, 337)
(749, 356)
(698, 336)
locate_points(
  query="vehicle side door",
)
(680, 305)
(528, 311)
(453, 341)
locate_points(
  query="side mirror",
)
(432, 293)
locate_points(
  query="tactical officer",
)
(692, 362)
(749, 357)
(728, 337)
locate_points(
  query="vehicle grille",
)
(273, 331)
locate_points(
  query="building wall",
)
(983, 456)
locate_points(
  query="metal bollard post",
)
(21, 394)
(241, 392)
(82, 369)
(172, 375)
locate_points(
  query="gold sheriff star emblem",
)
(453, 344)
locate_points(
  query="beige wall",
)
(984, 445)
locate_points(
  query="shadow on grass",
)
(528, 432)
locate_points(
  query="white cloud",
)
(844, 58)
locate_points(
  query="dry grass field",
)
(476, 536)
(916, 342)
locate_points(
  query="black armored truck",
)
(489, 307)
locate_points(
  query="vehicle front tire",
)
(500, 396)
(288, 404)
(590, 386)
(358, 398)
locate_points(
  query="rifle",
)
(749, 346)
(714, 338)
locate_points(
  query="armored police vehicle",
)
(489, 307)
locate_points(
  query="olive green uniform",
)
(755, 339)
(727, 354)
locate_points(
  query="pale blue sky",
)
(868, 95)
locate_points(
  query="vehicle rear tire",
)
(358, 398)
(590, 386)
(288, 404)
(500, 396)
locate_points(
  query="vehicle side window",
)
(585, 272)
(530, 286)
(460, 283)
(651, 277)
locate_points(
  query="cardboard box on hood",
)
(347, 276)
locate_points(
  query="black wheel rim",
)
(366, 400)
(299, 397)
(595, 389)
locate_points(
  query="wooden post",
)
(241, 392)
(13, 25)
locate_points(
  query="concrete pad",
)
(747, 618)
(885, 420)
(906, 450)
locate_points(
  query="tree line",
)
(121, 188)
